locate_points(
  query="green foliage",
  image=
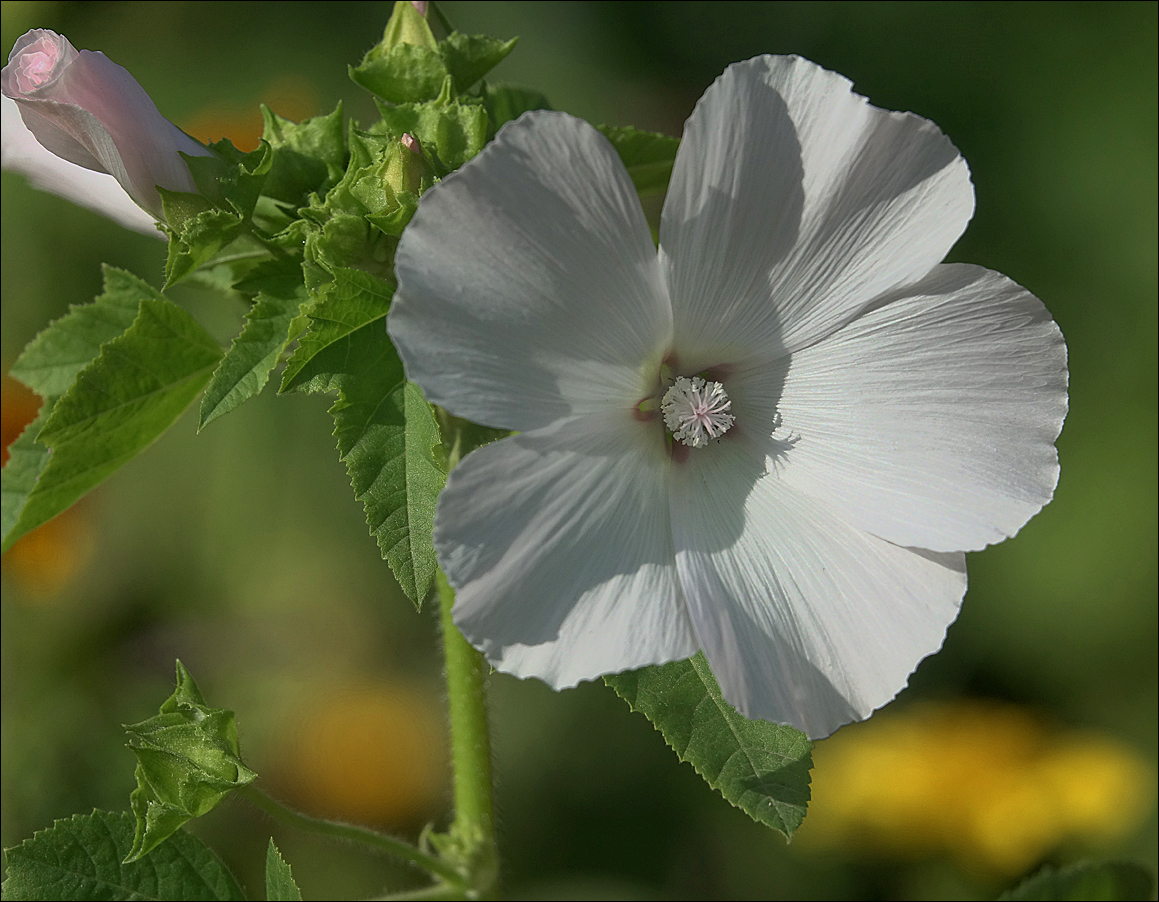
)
(272, 322)
(308, 157)
(199, 225)
(507, 102)
(280, 885)
(48, 366)
(112, 385)
(407, 66)
(408, 74)
(648, 156)
(387, 434)
(83, 857)
(451, 131)
(1086, 881)
(760, 767)
(372, 203)
(469, 57)
(187, 761)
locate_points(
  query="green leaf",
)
(271, 324)
(1086, 881)
(351, 301)
(648, 157)
(119, 403)
(187, 761)
(280, 885)
(387, 434)
(51, 361)
(760, 767)
(454, 131)
(507, 102)
(49, 365)
(469, 57)
(81, 857)
(307, 157)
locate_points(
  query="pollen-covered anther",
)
(696, 411)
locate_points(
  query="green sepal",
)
(406, 26)
(469, 57)
(648, 156)
(308, 156)
(449, 131)
(200, 225)
(505, 103)
(280, 885)
(387, 434)
(407, 73)
(1085, 881)
(760, 767)
(187, 761)
(114, 374)
(83, 858)
(407, 66)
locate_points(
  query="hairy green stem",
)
(473, 829)
(352, 832)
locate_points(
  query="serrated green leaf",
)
(51, 361)
(388, 438)
(760, 767)
(454, 131)
(307, 157)
(507, 102)
(139, 383)
(1086, 881)
(406, 74)
(351, 301)
(187, 761)
(119, 402)
(81, 858)
(387, 434)
(648, 156)
(280, 885)
(49, 365)
(469, 57)
(271, 324)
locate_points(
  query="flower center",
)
(696, 411)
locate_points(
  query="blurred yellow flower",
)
(986, 783)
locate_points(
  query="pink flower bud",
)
(88, 110)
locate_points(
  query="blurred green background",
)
(1030, 738)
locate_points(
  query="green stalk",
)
(472, 833)
(362, 835)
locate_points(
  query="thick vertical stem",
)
(473, 829)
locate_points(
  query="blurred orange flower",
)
(46, 560)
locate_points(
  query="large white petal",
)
(929, 421)
(558, 544)
(529, 287)
(804, 619)
(793, 202)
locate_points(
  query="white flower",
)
(87, 110)
(885, 413)
(98, 191)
